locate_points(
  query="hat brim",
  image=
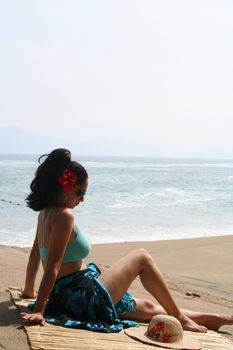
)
(140, 334)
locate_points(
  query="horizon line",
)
(123, 156)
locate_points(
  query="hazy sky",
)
(156, 74)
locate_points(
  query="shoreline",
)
(198, 272)
(136, 241)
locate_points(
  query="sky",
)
(154, 76)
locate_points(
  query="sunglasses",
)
(80, 193)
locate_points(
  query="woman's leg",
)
(119, 277)
(146, 309)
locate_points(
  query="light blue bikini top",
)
(75, 251)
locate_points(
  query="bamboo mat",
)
(52, 337)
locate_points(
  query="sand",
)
(198, 271)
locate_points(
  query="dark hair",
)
(45, 186)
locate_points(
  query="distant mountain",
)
(17, 140)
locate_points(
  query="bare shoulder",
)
(63, 216)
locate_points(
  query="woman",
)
(74, 294)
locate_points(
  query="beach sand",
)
(198, 271)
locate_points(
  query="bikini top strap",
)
(44, 224)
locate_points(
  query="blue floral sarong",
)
(80, 300)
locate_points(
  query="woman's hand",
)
(35, 317)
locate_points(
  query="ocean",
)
(128, 199)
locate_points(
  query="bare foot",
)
(214, 322)
(190, 325)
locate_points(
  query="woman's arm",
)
(62, 227)
(32, 268)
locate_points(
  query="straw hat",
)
(164, 331)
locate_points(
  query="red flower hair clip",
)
(68, 180)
